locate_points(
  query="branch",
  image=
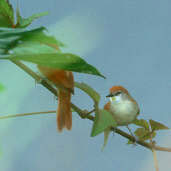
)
(143, 143)
(82, 113)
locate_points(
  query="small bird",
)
(122, 106)
(64, 81)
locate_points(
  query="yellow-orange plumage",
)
(64, 81)
(118, 88)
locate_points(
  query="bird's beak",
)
(109, 95)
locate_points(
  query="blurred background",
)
(129, 42)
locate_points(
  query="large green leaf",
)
(90, 91)
(6, 14)
(103, 121)
(24, 22)
(65, 61)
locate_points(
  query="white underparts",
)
(124, 111)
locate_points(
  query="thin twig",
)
(155, 159)
(26, 114)
(153, 150)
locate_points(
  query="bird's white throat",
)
(115, 99)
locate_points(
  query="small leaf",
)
(141, 122)
(90, 91)
(140, 132)
(103, 121)
(144, 134)
(6, 14)
(149, 136)
(157, 126)
(24, 22)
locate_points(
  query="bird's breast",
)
(124, 112)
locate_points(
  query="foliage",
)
(147, 130)
(36, 46)
(6, 14)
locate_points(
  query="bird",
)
(122, 106)
(64, 81)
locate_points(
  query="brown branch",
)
(143, 143)
(84, 114)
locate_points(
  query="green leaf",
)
(141, 122)
(2, 88)
(90, 91)
(34, 48)
(9, 38)
(6, 14)
(65, 61)
(144, 134)
(24, 22)
(103, 121)
(35, 35)
(157, 126)
(39, 35)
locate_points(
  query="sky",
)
(129, 42)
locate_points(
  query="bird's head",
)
(118, 93)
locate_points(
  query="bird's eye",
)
(117, 93)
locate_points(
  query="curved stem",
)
(26, 114)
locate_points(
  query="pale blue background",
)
(129, 42)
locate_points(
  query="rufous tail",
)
(64, 114)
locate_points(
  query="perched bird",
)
(122, 106)
(64, 81)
